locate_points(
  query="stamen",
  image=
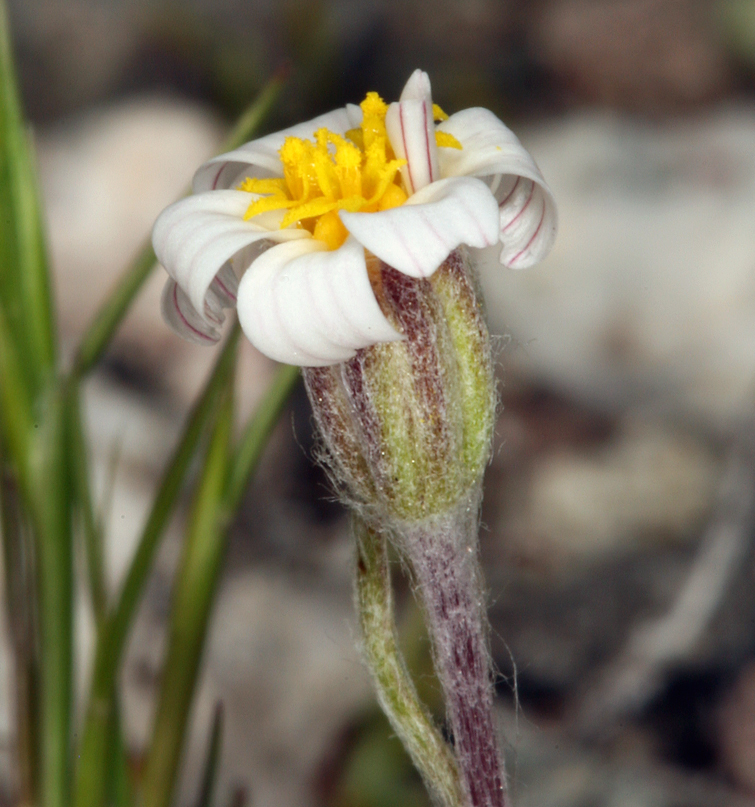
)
(355, 172)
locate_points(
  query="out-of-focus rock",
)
(282, 658)
(105, 177)
(70, 54)
(581, 505)
(648, 298)
(736, 730)
(633, 54)
(548, 769)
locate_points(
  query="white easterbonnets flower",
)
(299, 215)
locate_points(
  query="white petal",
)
(183, 318)
(418, 236)
(491, 151)
(301, 303)
(417, 88)
(195, 237)
(225, 287)
(411, 130)
(259, 158)
(355, 115)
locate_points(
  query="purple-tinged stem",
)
(443, 557)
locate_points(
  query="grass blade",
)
(90, 775)
(83, 507)
(256, 434)
(54, 557)
(210, 775)
(193, 596)
(24, 280)
(20, 598)
(15, 406)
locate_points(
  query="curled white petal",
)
(183, 318)
(491, 151)
(418, 236)
(195, 237)
(411, 130)
(259, 158)
(303, 304)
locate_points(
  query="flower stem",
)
(395, 690)
(443, 556)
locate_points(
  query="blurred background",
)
(619, 509)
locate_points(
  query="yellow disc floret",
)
(355, 172)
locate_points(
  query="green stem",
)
(255, 436)
(90, 775)
(38, 449)
(109, 317)
(210, 770)
(192, 600)
(120, 790)
(93, 539)
(19, 592)
(16, 419)
(195, 588)
(24, 278)
(54, 557)
(395, 690)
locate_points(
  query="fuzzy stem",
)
(395, 688)
(443, 556)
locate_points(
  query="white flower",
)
(300, 213)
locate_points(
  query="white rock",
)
(649, 294)
(582, 506)
(283, 660)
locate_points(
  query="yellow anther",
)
(355, 172)
(265, 204)
(393, 197)
(308, 210)
(438, 113)
(255, 185)
(447, 140)
(373, 104)
(356, 137)
(330, 229)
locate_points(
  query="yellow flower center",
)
(358, 172)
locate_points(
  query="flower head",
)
(303, 214)
(351, 234)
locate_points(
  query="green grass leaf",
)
(193, 596)
(210, 774)
(91, 784)
(24, 279)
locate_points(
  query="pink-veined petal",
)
(183, 318)
(195, 238)
(491, 151)
(418, 236)
(259, 158)
(303, 304)
(411, 130)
